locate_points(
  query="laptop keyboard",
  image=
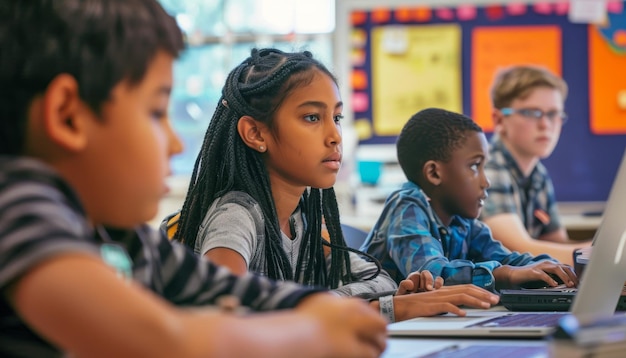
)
(522, 320)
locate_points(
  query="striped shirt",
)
(531, 198)
(41, 217)
(409, 236)
(235, 221)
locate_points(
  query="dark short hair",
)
(431, 134)
(98, 42)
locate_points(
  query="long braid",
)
(256, 88)
(340, 260)
(315, 271)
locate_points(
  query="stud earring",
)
(262, 148)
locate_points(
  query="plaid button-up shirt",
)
(409, 236)
(531, 198)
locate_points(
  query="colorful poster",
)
(495, 48)
(414, 67)
(607, 86)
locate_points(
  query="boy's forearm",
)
(291, 334)
(501, 275)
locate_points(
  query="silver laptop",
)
(598, 293)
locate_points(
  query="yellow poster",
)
(414, 67)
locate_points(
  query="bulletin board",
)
(404, 58)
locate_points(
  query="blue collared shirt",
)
(410, 237)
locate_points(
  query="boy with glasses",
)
(528, 116)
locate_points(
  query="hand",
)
(443, 300)
(507, 276)
(419, 282)
(349, 327)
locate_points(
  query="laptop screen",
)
(605, 274)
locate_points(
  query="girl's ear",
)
(251, 132)
(61, 114)
(432, 172)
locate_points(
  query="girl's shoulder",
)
(246, 202)
(240, 198)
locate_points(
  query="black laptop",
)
(545, 299)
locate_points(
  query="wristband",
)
(386, 308)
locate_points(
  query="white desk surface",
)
(419, 347)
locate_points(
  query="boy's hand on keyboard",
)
(549, 272)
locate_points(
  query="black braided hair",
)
(257, 88)
(431, 134)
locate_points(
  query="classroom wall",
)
(584, 163)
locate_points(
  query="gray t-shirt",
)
(235, 221)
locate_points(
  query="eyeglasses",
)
(536, 114)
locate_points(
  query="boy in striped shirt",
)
(84, 148)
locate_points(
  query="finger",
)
(557, 270)
(471, 301)
(545, 276)
(457, 298)
(472, 290)
(417, 278)
(405, 286)
(453, 309)
(571, 275)
(438, 283)
(427, 281)
(471, 296)
(562, 276)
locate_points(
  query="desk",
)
(446, 347)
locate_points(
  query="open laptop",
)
(545, 299)
(598, 293)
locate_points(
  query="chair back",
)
(354, 237)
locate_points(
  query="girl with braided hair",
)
(261, 196)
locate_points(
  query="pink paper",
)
(543, 8)
(445, 14)
(615, 6)
(516, 8)
(466, 12)
(561, 7)
(360, 102)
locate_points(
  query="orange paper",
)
(358, 17)
(403, 14)
(422, 14)
(495, 48)
(380, 15)
(607, 86)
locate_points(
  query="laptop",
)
(598, 294)
(545, 299)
